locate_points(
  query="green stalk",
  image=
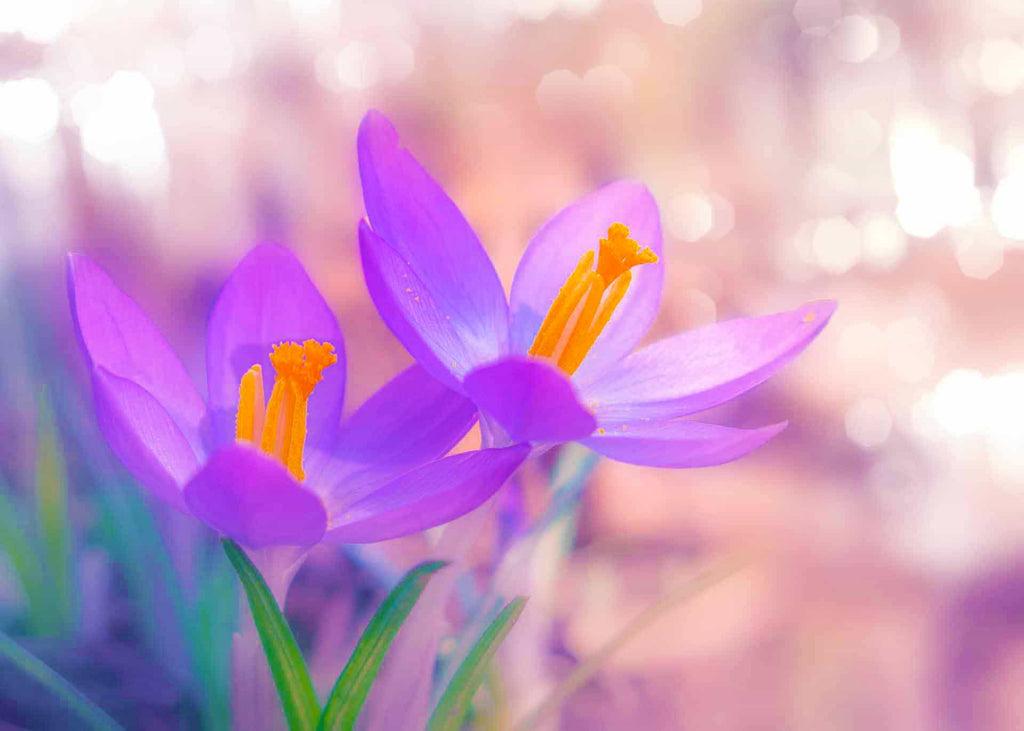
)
(70, 697)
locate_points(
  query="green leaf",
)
(72, 699)
(355, 680)
(52, 518)
(454, 704)
(16, 544)
(289, 669)
(215, 607)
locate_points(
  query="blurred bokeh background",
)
(870, 151)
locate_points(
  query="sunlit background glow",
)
(870, 151)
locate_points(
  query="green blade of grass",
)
(16, 544)
(286, 663)
(52, 519)
(583, 672)
(215, 607)
(354, 683)
(73, 699)
(454, 703)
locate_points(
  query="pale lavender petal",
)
(412, 419)
(118, 337)
(254, 500)
(410, 211)
(531, 400)
(269, 299)
(427, 496)
(143, 436)
(412, 314)
(557, 247)
(699, 369)
(677, 443)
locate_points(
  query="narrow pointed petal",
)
(119, 338)
(412, 419)
(556, 248)
(409, 210)
(531, 400)
(427, 496)
(269, 299)
(143, 436)
(703, 368)
(678, 443)
(254, 500)
(410, 311)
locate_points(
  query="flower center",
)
(280, 427)
(588, 298)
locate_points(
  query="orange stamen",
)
(249, 421)
(562, 308)
(604, 290)
(280, 428)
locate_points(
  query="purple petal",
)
(410, 211)
(412, 314)
(557, 247)
(118, 337)
(677, 443)
(531, 400)
(697, 370)
(143, 436)
(269, 299)
(254, 500)
(427, 496)
(413, 419)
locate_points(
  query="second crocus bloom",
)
(557, 360)
(266, 458)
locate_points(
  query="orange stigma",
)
(279, 427)
(570, 328)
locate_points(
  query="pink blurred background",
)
(868, 151)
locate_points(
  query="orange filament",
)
(280, 427)
(603, 290)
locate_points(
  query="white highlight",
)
(836, 245)
(120, 127)
(39, 21)
(689, 216)
(1008, 206)
(959, 403)
(1001, 66)
(885, 244)
(678, 12)
(855, 39)
(934, 182)
(965, 403)
(29, 110)
(356, 66)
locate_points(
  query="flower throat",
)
(279, 428)
(570, 328)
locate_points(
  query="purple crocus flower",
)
(557, 361)
(246, 467)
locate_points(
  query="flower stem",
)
(254, 700)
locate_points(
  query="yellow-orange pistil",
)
(588, 298)
(279, 428)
